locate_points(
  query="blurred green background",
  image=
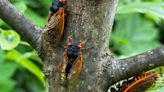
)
(139, 26)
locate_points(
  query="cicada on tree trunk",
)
(54, 27)
(71, 64)
(53, 32)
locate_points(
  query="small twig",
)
(137, 64)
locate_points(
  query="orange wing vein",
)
(55, 26)
(142, 82)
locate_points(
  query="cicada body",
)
(55, 27)
(55, 23)
(77, 65)
(137, 84)
(71, 64)
(141, 83)
(74, 73)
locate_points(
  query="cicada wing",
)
(62, 68)
(75, 70)
(55, 26)
(48, 18)
(141, 83)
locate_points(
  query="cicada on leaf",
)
(71, 64)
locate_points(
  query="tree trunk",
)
(89, 20)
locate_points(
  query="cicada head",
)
(73, 51)
(55, 6)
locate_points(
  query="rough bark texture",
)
(128, 67)
(89, 20)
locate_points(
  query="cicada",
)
(55, 22)
(138, 83)
(72, 62)
(141, 82)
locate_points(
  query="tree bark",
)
(89, 20)
(128, 67)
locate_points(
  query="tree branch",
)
(28, 31)
(125, 68)
(100, 72)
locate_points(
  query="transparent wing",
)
(55, 27)
(62, 68)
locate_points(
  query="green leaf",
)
(26, 63)
(6, 85)
(35, 17)
(1, 22)
(7, 69)
(9, 39)
(24, 43)
(2, 57)
(133, 35)
(158, 86)
(32, 55)
(153, 8)
(34, 85)
(21, 6)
